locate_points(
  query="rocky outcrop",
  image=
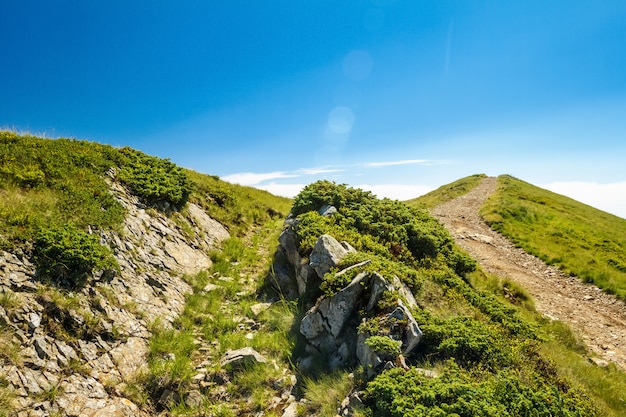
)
(337, 327)
(73, 353)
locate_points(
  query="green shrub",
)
(394, 229)
(462, 393)
(469, 341)
(384, 345)
(68, 255)
(155, 180)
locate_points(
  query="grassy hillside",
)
(494, 357)
(578, 238)
(47, 184)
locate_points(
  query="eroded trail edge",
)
(599, 318)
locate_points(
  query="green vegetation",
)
(239, 208)
(384, 346)
(447, 192)
(462, 392)
(155, 180)
(493, 352)
(69, 255)
(579, 239)
(384, 227)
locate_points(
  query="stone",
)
(282, 276)
(368, 359)
(378, 286)
(328, 210)
(327, 253)
(242, 357)
(306, 278)
(33, 320)
(291, 410)
(259, 308)
(404, 292)
(412, 333)
(130, 357)
(194, 399)
(336, 309)
(41, 347)
(287, 240)
(210, 287)
(88, 350)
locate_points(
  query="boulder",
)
(242, 357)
(368, 359)
(327, 253)
(327, 210)
(411, 334)
(330, 314)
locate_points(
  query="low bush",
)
(68, 255)
(155, 180)
(463, 393)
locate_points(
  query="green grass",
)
(447, 192)
(237, 207)
(324, 394)
(579, 239)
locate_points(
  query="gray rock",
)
(242, 357)
(404, 292)
(130, 357)
(330, 313)
(33, 320)
(287, 240)
(194, 399)
(368, 359)
(378, 286)
(41, 347)
(259, 308)
(327, 210)
(327, 253)
(306, 278)
(282, 276)
(412, 333)
(291, 410)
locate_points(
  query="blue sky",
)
(394, 96)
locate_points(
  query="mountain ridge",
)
(205, 274)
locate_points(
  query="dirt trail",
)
(599, 318)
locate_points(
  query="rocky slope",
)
(77, 353)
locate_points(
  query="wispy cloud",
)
(317, 171)
(266, 181)
(391, 163)
(251, 178)
(397, 191)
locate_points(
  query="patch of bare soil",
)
(599, 318)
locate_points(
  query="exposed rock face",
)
(331, 324)
(85, 346)
(327, 253)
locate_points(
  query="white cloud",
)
(609, 197)
(396, 191)
(283, 190)
(317, 171)
(251, 178)
(390, 163)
